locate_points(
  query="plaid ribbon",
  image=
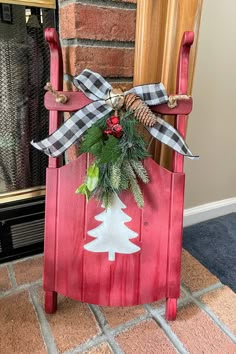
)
(95, 87)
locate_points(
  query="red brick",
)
(223, 303)
(113, 62)
(19, 330)
(146, 337)
(72, 324)
(101, 349)
(117, 315)
(194, 275)
(29, 270)
(99, 23)
(199, 334)
(4, 279)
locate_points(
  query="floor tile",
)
(199, 334)
(118, 315)
(4, 279)
(223, 303)
(100, 349)
(194, 275)
(72, 324)
(146, 337)
(19, 328)
(29, 270)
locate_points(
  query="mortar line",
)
(99, 3)
(178, 345)
(74, 42)
(213, 316)
(207, 290)
(93, 342)
(12, 276)
(129, 324)
(69, 78)
(106, 329)
(43, 323)
(19, 288)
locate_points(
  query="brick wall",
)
(98, 35)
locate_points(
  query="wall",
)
(212, 124)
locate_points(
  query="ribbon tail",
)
(69, 132)
(168, 135)
(151, 94)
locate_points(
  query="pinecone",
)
(141, 111)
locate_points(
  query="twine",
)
(172, 103)
(60, 97)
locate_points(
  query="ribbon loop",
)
(92, 84)
(151, 94)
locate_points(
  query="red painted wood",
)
(50, 301)
(124, 282)
(50, 228)
(175, 234)
(146, 276)
(77, 100)
(56, 79)
(182, 88)
(171, 309)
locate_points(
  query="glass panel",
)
(24, 70)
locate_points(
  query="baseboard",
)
(209, 211)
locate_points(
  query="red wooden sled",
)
(142, 277)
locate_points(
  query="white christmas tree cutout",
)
(112, 235)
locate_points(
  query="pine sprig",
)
(136, 191)
(140, 170)
(133, 184)
(116, 175)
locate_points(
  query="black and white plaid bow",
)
(95, 87)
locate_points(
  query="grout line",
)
(125, 326)
(88, 345)
(72, 42)
(167, 330)
(100, 3)
(215, 319)
(212, 315)
(106, 329)
(19, 288)
(43, 323)
(206, 290)
(12, 276)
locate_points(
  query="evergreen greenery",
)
(117, 163)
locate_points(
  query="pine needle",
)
(135, 189)
(133, 184)
(115, 176)
(140, 170)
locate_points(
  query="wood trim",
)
(22, 194)
(49, 4)
(160, 26)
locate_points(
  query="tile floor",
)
(206, 321)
